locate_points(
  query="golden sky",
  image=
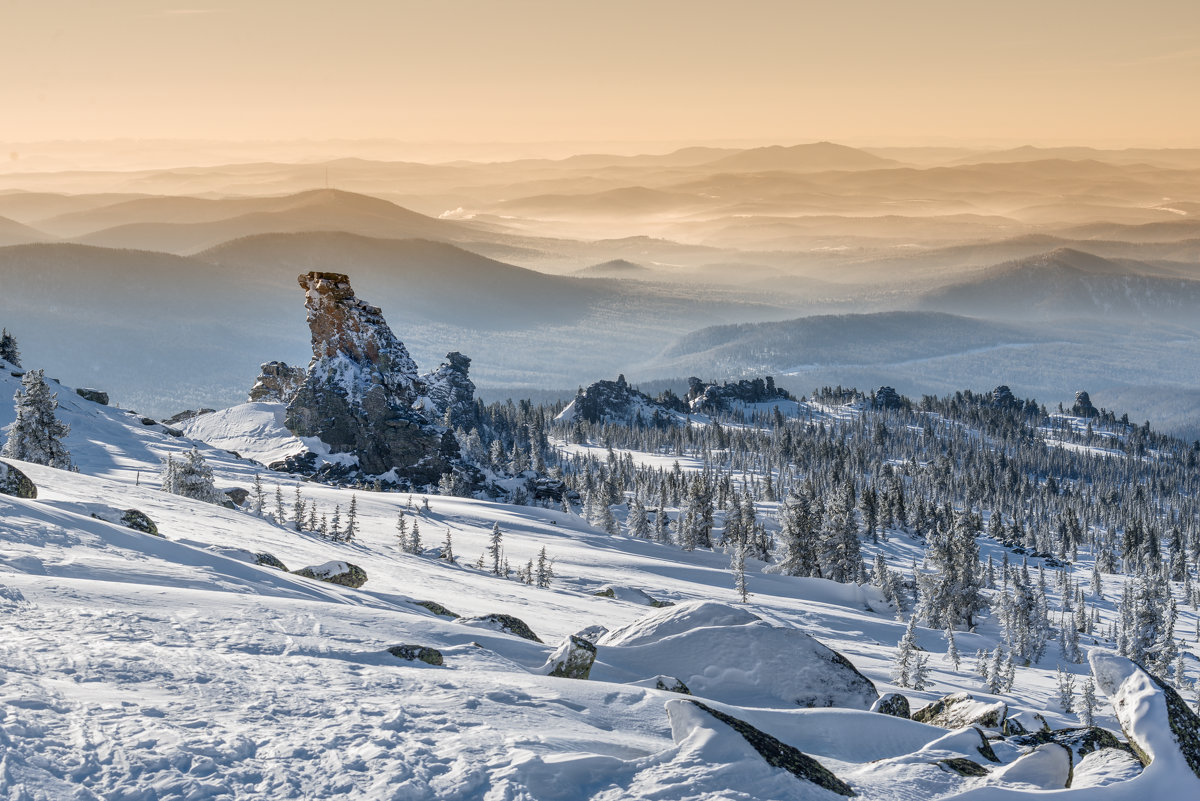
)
(880, 72)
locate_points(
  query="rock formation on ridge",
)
(361, 389)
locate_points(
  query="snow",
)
(254, 430)
(142, 667)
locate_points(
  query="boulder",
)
(237, 495)
(684, 724)
(417, 653)
(728, 654)
(1081, 741)
(1157, 722)
(505, 623)
(343, 573)
(14, 482)
(962, 766)
(185, 415)
(436, 608)
(961, 709)
(668, 683)
(631, 594)
(276, 383)
(139, 521)
(94, 395)
(361, 386)
(1047, 767)
(573, 659)
(267, 560)
(893, 704)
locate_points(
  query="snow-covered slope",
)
(170, 667)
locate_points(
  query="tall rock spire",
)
(359, 394)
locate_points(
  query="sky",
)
(914, 72)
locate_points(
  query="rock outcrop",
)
(960, 709)
(712, 398)
(774, 752)
(94, 395)
(361, 387)
(893, 704)
(417, 653)
(451, 392)
(616, 402)
(573, 659)
(277, 382)
(504, 623)
(14, 482)
(342, 573)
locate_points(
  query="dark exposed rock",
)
(888, 398)
(139, 521)
(893, 704)
(361, 386)
(267, 560)
(276, 382)
(14, 482)
(962, 766)
(546, 489)
(94, 395)
(506, 623)
(451, 392)
(1081, 741)
(711, 398)
(186, 414)
(1185, 725)
(1002, 396)
(960, 709)
(436, 608)
(573, 659)
(1083, 405)
(237, 495)
(668, 683)
(779, 754)
(417, 653)
(342, 573)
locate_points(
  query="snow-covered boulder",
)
(1081, 741)
(417, 653)
(14, 482)
(572, 660)
(718, 737)
(342, 573)
(249, 557)
(630, 594)
(677, 620)
(1163, 732)
(893, 704)
(129, 518)
(961, 709)
(1047, 767)
(728, 654)
(504, 623)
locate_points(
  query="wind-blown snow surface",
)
(141, 667)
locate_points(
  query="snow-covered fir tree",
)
(37, 434)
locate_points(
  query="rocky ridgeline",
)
(618, 402)
(361, 394)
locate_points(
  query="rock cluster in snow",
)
(711, 398)
(277, 382)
